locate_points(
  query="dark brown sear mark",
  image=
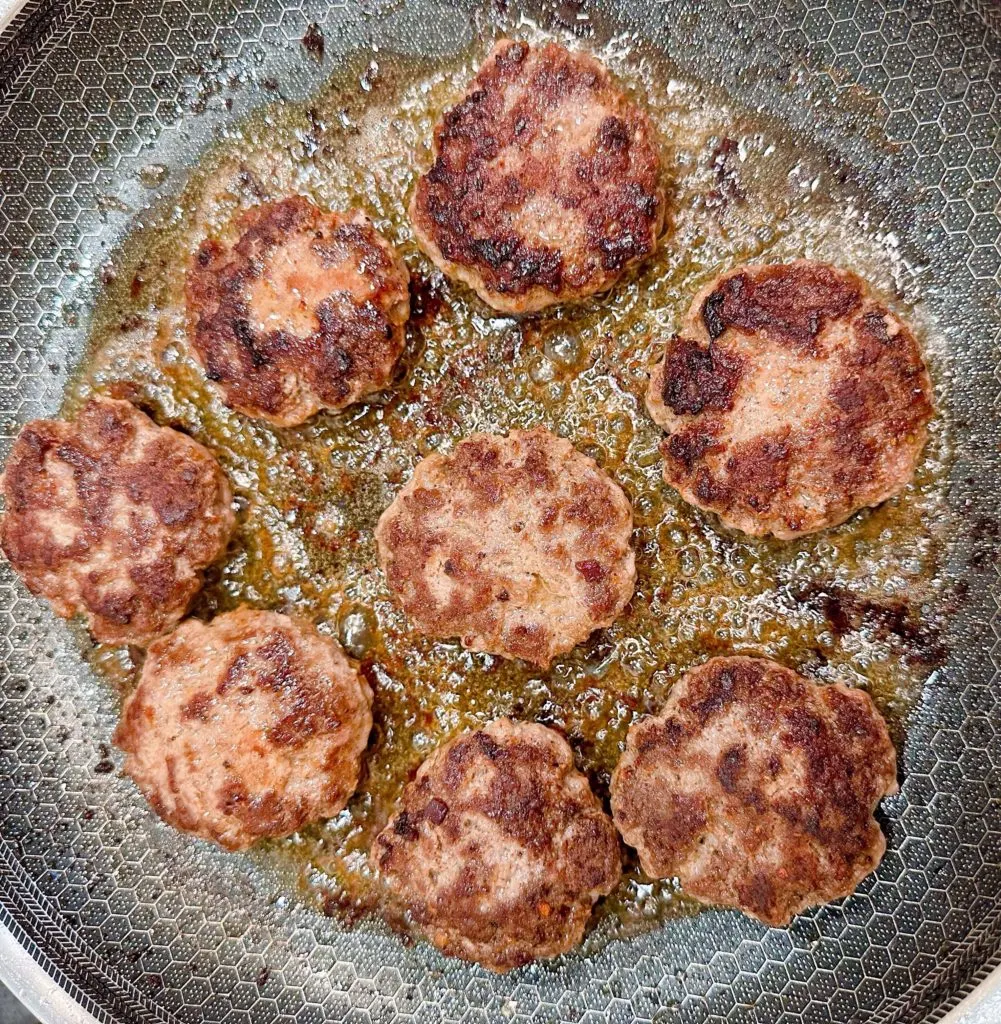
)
(312, 41)
(697, 378)
(790, 302)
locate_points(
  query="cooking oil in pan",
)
(857, 603)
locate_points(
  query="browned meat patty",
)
(519, 545)
(305, 310)
(546, 184)
(114, 518)
(249, 727)
(792, 399)
(500, 849)
(756, 788)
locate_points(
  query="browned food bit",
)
(114, 518)
(792, 399)
(499, 848)
(302, 310)
(249, 727)
(546, 183)
(756, 788)
(312, 41)
(519, 545)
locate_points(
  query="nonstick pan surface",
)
(141, 924)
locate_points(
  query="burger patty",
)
(756, 788)
(519, 545)
(249, 727)
(114, 518)
(792, 398)
(304, 311)
(546, 182)
(500, 849)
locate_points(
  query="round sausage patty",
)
(114, 518)
(792, 399)
(519, 545)
(305, 310)
(756, 788)
(251, 726)
(546, 183)
(500, 849)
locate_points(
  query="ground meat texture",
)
(114, 518)
(304, 310)
(792, 398)
(249, 727)
(546, 182)
(499, 849)
(756, 788)
(518, 545)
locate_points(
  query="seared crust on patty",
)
(114, 518)
(251, 726)
(792, 399)
(519, 545)
(756, 788)
(546, 181)
(500, 848)
(304, 310)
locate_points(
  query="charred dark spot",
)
(758, 470)
(728, 684)
(712, 315)
(689, 446)
(427, 296)
(515, 53)
(848, 613)
(709, 488)
(487, 745)
(984, 535)
(790, 302)
(697, 378)
(614, 134)
(567, 14)
(728, 189)
(132, 322)
(403, 826)
(731, 766)
(197, 708)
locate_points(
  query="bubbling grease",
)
(856, 604)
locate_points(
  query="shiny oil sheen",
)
(859, 603)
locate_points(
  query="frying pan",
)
(141, 925)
